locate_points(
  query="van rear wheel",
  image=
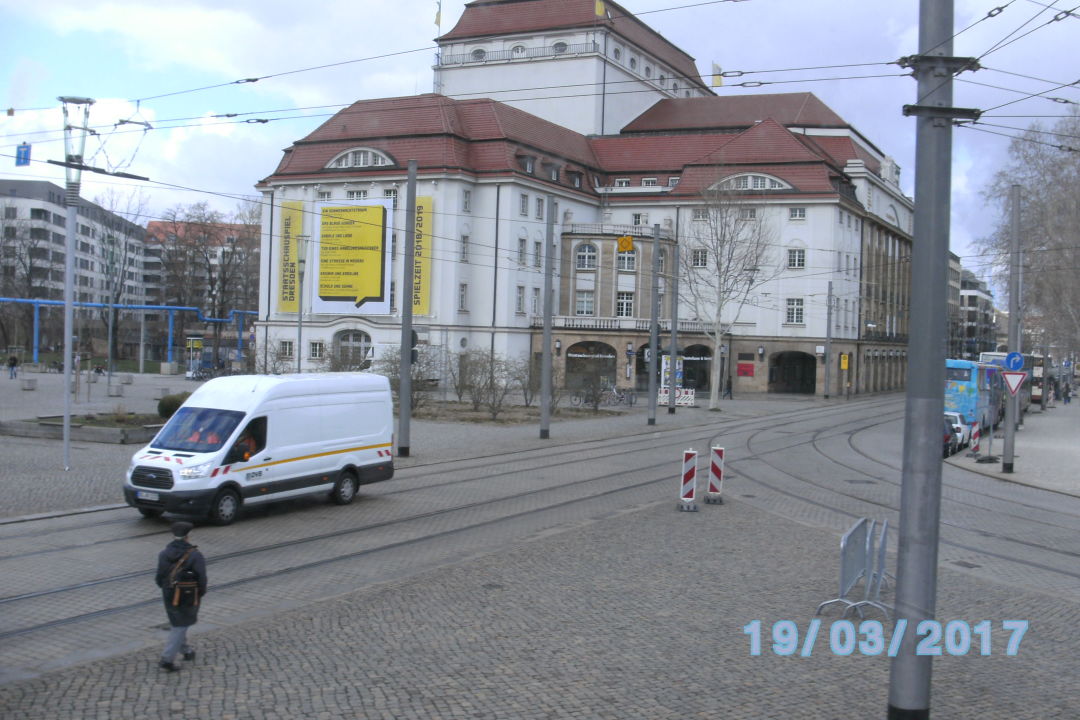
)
(345, 488)
(225, 508)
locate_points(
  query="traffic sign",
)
(1014, 361)
(626, 243)
(1013, 380)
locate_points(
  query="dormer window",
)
(575, 179)
(648, 182)
(364, 157)
(528, 164)
(622, 182)
(552, 172)
(753, 182)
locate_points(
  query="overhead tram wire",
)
(1002, 43)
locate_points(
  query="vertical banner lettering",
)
(421, 283)
(292, 223)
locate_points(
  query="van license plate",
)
(143, 495)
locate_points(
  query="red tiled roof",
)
(655, 152)
(486, 18)
(841, 149)
(735, 111)
(768, 141)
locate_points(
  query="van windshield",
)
(196, 429)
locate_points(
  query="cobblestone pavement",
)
(637, 613)
(640, 615)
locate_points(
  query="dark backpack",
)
(183, 583)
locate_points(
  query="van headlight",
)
(196, 471)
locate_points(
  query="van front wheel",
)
(225, 507)
(345, 488)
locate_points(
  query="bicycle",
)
(616, 396)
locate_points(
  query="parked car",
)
(951, 443)
(961, 427)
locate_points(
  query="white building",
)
(642, 145)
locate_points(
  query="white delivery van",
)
(249, 439)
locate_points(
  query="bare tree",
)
(388, 363)
(26, 267)
(1048, 175)
(120, 258)
(725, 256)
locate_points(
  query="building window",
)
(464, 256)
(673, 181)
(353, 348)
(522, 255)
(316, 350)
(583, 302)
(285, 348)
(356, 194)
(479, 54)
(519, 300)
(553, 172)
(748, 213)
(661, 261)
(622, 182)
(539, 208)
(538, 253)
(324, 195)
(585, 259)
(359, 158)
(633, 63)
(559, 48)
(575, 179)
(699, 258)
(675, 87)
(648, 71)
(624, 304)
(518, 51)
(796, 258)
(640, 218)
(466, 200)
(523, 208)
(663, 79)
(797, 213)
(794, 311)
(10, 213)
(701, 214)
(463, 297)
(536, 301)
(391, 193)
(626, 261)
(649, 182)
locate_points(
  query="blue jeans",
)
(175, 644)
(13, 370)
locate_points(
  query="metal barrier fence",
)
(855, 554)
(876, 577)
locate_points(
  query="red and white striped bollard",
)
(688, 482)
(716, 477)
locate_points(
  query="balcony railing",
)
(626, 324)
(524, 54)
(641, 231)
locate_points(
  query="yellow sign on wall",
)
(421, 284)
(292, 218)
(353, 265)
(843, 361)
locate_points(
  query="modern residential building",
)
(979, 323)
(111, 266)
(646, 151)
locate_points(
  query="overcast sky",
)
(137, 59)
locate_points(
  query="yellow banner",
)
(421, 285)
(292, 223)
(352, 251)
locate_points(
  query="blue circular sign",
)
(1014, 361)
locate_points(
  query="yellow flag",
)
(438, 13)
(717, 78)
(601, 11)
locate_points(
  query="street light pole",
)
(73, 151)
(301, 261)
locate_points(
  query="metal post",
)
(546, 379)
(405, 377)
(674, 352)
(654, 325)
(920, 494)
(142, 341)
(828, 341)
(73, 150)
(301, 263)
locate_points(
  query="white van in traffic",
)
(249, 439)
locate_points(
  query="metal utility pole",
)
(405, 379)
(828, 341)
(73, 151)
(545, 355)
(674, 352)
(920, 494)
(654, 324)
(1012, 406)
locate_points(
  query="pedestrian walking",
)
(181, 575)
(13, 367)
(727, 390)
(1066, 393)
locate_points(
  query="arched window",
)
(559, 48)
(479, 54)
(585, 258)
(753, 182)
(360, 157)
(352, 350)
(518, 51)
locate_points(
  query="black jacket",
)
(180, 616)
